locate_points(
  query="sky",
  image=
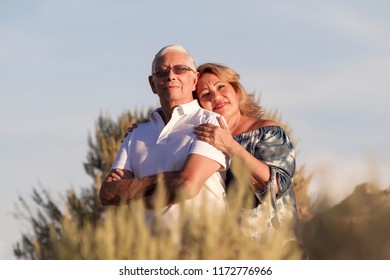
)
(323, 65)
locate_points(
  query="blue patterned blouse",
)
(272, 146)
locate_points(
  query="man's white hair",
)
(174, 48)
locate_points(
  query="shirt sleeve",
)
(122, 155)
(205, 149)
(276, 150)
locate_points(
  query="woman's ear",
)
(151, 83)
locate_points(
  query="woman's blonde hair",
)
(248, 106)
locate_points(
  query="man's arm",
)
(121, 187)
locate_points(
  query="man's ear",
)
(195, 80)
(151, 83)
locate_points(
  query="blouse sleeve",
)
(275, 149)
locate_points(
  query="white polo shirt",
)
(154, 147)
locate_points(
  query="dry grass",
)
(123, 234)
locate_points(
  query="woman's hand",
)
(129, 129)
(219, 137)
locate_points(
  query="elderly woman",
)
(261, 146)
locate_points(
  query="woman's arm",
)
(221, 138)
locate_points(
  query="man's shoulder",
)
(143, 128)
(146, 125)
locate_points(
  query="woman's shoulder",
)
(266, 130)
(264, 123)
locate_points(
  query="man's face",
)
(173, 88)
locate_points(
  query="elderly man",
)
(166, 145)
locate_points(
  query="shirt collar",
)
(187, 107)
(180, 110)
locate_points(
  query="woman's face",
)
(217, 95)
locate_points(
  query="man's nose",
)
(171, 75)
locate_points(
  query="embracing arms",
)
(120, 186)
(272, 153)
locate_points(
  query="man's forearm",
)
(124, 190)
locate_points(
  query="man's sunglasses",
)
(177, 70)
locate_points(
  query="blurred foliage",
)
(46, 217)
(107, 140)
(354, 229)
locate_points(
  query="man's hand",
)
(119, 174)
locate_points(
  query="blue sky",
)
(324, 65)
